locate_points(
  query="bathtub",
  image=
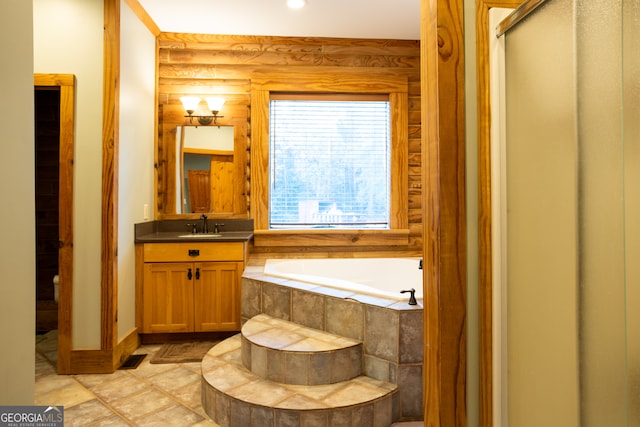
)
(377, 277)
(391, 331)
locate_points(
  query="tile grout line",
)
(195, 408)
(95, 396)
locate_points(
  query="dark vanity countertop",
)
(228, 236)
(235, 230)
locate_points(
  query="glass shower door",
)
(572, 205)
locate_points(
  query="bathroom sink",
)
(200, 236)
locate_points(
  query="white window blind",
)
(329, 164)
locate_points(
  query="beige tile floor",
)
(150, 395)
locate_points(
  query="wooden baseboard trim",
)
(90, 362)
(125, 348)
(103, 361)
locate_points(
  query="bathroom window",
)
(329, 161)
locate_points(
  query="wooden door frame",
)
(444, 212)
(485, 223)
(66, 84)
(110, 145)
(110, 355)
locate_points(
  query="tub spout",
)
(412, 298)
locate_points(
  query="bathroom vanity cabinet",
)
(189, 286)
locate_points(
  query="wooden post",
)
(444, 213)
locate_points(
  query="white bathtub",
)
(379, 277)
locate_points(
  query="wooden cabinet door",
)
(168, 297)
(217, 296)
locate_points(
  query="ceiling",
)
(382, 19)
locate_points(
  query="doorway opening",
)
(47, 178)
(54, 96)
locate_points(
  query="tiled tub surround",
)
(391, 332)
(234, 396)
(288, 353)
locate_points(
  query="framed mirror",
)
(204, 169)
(224, 147)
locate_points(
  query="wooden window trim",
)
(340, 83)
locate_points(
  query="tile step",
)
(290, 353)
(233, 396)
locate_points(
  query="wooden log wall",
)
(203, 65)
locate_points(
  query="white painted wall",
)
(136, 152)
(68, 39)
(17, 216)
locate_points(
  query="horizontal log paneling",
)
(362, 82)
(253, 57)
(327, 238)
(250, 72)
(241, 71)
(286, 44)
(415, 201)
(259, 256)
(414, 159)
(193, 86)
(231, 66)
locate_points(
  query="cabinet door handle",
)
(194, 252)
(197, 274)
(189, 274)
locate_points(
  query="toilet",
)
(56, 279)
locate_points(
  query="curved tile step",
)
(290, 353)
(233, 396)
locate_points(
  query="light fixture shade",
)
(296, 4)
(215, 103)
(190, 103)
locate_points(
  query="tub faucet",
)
(412, 298)
(205, 225)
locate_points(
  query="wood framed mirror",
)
(204, 169)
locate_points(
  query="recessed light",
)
(296, 4)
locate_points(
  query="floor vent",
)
(133, 361)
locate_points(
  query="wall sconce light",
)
(191, 104)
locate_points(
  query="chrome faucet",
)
(216, 230)
(205, 225)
